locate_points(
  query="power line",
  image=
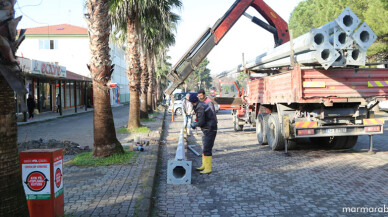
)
(29, 5)
(17, 2)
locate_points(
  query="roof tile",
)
(61, 29)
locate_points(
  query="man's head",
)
(201, 95)
(193, 99)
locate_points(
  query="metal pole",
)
(60, 98)
(179, 170)
(371, 145)
(75, 96)
(325, 56)
(85, 96)
(180, 151)
(190, 147)
(310, 41)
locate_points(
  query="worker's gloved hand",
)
(193, 125)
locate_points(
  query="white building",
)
(68, 46)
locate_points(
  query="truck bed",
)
(320, 86)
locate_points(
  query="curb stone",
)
(53, 118)
(144, 204)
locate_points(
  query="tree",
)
(315, 13)
(12, 197)
(125, 15)
(135, 18)
(144, 82)
(163, 67)
(200, 78)
(99, 27)
(158, 35)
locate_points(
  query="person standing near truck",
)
(202, 96)
(187, 109)
(207, 121)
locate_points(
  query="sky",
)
(196, 15)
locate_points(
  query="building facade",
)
(53, 86)
(68, 45)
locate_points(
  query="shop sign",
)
(48, 69)
(36, 178)
(58, 176)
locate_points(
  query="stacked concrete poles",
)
(338, 43)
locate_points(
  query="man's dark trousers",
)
(208, 141)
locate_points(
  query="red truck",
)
(328, 106)
(331, 107)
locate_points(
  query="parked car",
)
(178, 102)
(383, 106)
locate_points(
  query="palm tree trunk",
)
(144, 86)
(151, 86)
(12, 197)
(133, 74)
(154, 103)
(105, 140)
(158, 94)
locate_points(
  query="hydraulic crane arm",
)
(212, 36)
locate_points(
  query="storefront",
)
(114, 94)
(52, 85)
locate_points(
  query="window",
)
(48, 44)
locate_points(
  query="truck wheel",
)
(274, 133)
(236, 127)
(291, 144)
(261, 128)
(336, 142)
(350, 142)
(322, 142)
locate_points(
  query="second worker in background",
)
(207, 121)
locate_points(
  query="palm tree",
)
(125, 16)
(132, 17)
(163, 67)
(105, 140)
(159, 36)
(12, 197)
(144, 79)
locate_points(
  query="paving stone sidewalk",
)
(251, 180)
(123, 190)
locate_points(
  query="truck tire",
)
(336, 142)
(291, 144)
(274, 133)
(236, 127)
(351, 142)
(261, 128)
(322, 142)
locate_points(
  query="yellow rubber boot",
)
(208, 165)
(203, 164)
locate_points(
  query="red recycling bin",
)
(42, 174)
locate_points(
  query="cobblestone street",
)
(251, 180)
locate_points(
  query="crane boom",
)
(212, 36)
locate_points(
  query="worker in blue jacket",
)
(207, 121)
